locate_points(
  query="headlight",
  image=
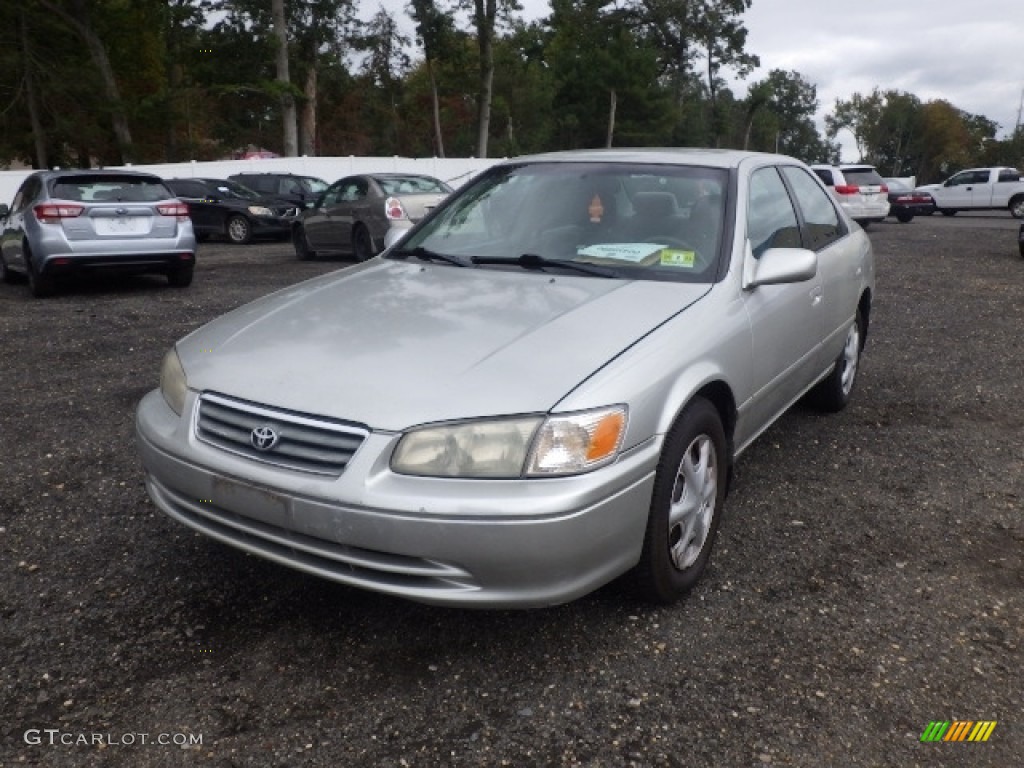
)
(259, 210)
(172, 381)
(472, 449)
(509, 448)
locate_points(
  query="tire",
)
(5, 274)
(1017, 207)
(833, 393)
(41, 286)
(239, 230)
(904, 217)
(302, 250)
(362, 243)
(686, 506)
(947, 211)
(181, 277)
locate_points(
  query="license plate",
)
(120, 225)
(249, 501)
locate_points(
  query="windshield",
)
(659, 222)
(229, 189)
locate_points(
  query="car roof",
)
(715, 158)
(54, 173)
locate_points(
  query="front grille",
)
(305, 443)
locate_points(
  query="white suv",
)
(859, 189)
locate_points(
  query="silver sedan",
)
(542, 387)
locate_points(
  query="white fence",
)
(455, 171)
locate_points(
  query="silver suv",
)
(65, 222)
(859, 189)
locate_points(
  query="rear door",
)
(14, 224)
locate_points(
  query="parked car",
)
(541, 387)
(225, 208)
(66, 222)
(296, 189)
(905, 203)
(980, 189)
(354, 214)
(859, 190)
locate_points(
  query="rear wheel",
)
(947, 211)
(239, 230)
(1017, 207)
(302, 250)
(5, 274)
(833, 393)
(362, 244)
(181, 277)
(904, 216)
(40, 285)
(686, 506)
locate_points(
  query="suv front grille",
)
(297, 441)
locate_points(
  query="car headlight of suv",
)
(259, 210)
(534, 446)
(172, 381)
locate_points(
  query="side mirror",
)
(779, 265)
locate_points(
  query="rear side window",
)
(862, 177)
(825, 176)
(821, 222)
(109, 188)
(1009, 175)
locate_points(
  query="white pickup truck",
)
(978, 189)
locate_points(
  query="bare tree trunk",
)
(611, 119)
(484, 16)
(79, 21)
(288, 113)
(435, 103)
(307, 117)
(38, 136)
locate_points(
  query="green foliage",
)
(196, 79)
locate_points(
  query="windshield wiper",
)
(425, 254)
(533, 261)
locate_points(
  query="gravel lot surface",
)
(867, 579)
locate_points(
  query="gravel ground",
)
(867, 579)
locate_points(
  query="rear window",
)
(862, 177)
(109, 188)
(411, 185)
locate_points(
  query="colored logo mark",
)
(958, 730)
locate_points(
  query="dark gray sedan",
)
(355, 213)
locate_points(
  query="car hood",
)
(393, 344)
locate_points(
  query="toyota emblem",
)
(263, 438)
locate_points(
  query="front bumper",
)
(482, 543)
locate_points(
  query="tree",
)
(436, 32)
(779, 117)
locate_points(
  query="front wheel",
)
(947, 211)
(1017, 207)
(833, 393)
(239, 230)
(686, 506)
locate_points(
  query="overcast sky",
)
(968, 52)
